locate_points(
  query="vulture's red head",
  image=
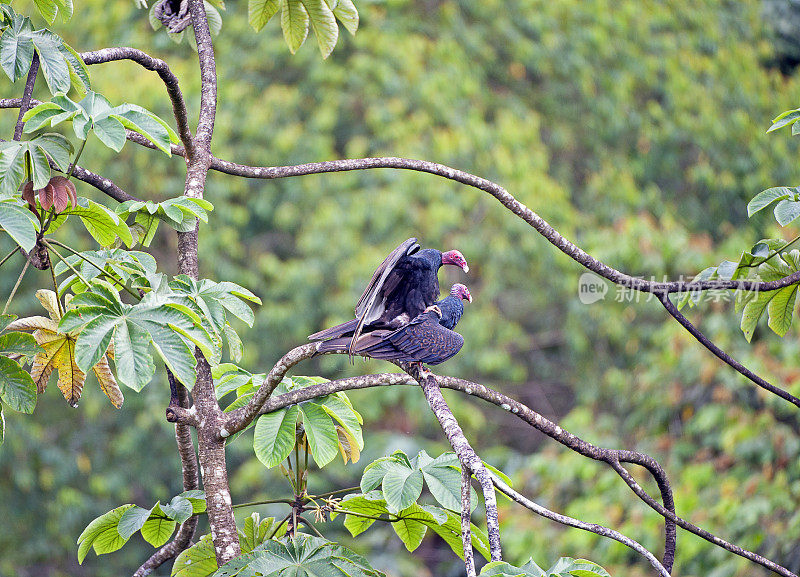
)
(455, 257)
(460, 291)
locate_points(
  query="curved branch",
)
(506, 199)
(466, 529)
(722, 355)
(614, 457)
(159, 67)
(25, 101)
(571, 522)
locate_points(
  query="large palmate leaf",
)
(105, 226)
(58, 352)
(297, 15)
(30, 160)
(181, 213)
(94, 112)
(116, 265)
(779, 304)
(17, 389)
(18, 223)
(172, 329)
(564, 567)
(331, 425)
(301, 555)
(59, 64)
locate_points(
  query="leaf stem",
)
(310, 526)
(337, 492)
(55, 287)
(76, 253)
(278, 526)
(9, 255)
(363, 516)
(16, 286)
(773, 253)
(77, 156)
(66, 262)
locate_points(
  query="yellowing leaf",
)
(33, 323)
(348, 446)
(107, 382)
(49, 302)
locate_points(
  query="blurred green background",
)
(636, 129)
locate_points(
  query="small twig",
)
(25, 102)
(66, 262)
(9, 255)
(310, 526)
(278, 526)
(571, 522)
(466, 531)
(16, 286)
(77, 157)
(337, 492)
(55, 287)
(722, 355)
(266, 502)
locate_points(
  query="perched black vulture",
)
(401, 288)
(427, 339)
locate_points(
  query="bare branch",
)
(466, 530)
(25, 102)
(506, 199)
(722, 355)
(469, 459)
(571, 522)
(158, 66)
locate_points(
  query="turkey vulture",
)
(401, 288)
(428, 338)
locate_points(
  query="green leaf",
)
(766, 197)
(78, 71)
(104, 225)
(345, 415)
(17, 389)
(102, 534)
(345, 11)
(302, 555)
(410, 531)
(2, 425)
(374, 473)
(147, 124)
(787, 211)
(274, 436)
(294, 22)
(15, 221)
(111, 132)
(401, 486)
(93, 341)
(18, 344)
(12, 167)
(53, 64)
(158, 528)
(321, 434)
(259, 12)
(133, 520)
(199, 560)
(781, 308)
(444, 481)
(324, 23)
(357, 525)
(197, 498)
(16, 50)
(788, 117)
(48, 9)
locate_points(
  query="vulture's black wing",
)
(371, 305)
(423, 340)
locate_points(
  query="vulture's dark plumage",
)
(402, 287)
(427, 339)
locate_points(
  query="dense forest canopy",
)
(638, 132)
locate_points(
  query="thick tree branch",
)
(571, 522)
(722, 355)
(467, 456)
(466, 530)
(25, 101)
(158, 66)
(613, 457)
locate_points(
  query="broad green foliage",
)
(95, 113)
(199, 560)
(181, 213)
(17, 389)
(59, 352)
(411, 523)
(329, 424)
(564, 567)
(295, 16)
(300, 555)
(109, 532)
(29, 160)
(61, 66)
